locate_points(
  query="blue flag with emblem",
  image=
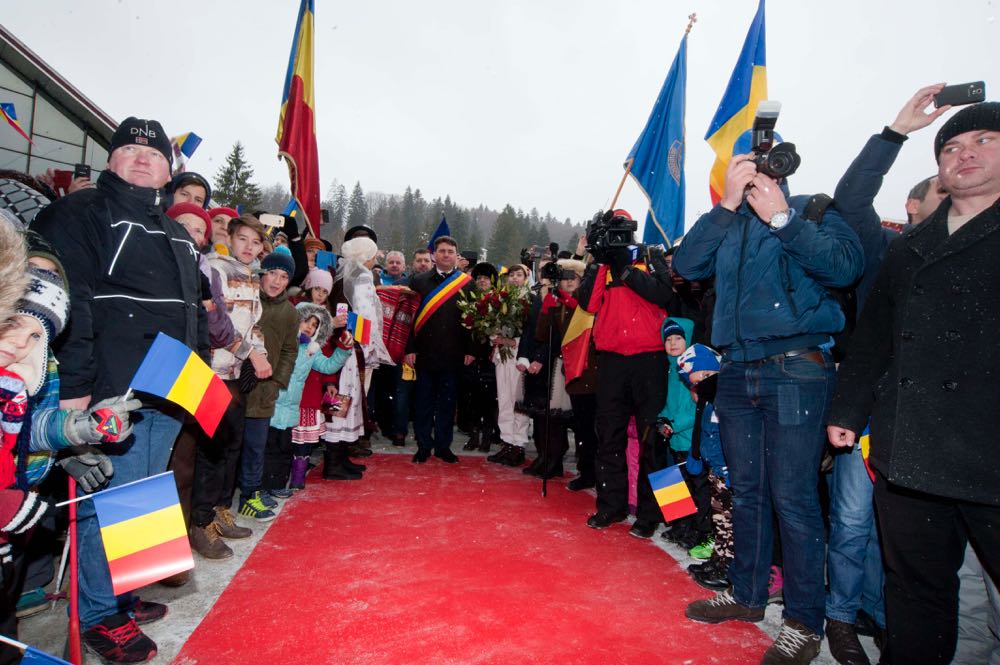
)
(657, 159)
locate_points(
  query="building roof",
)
(27, 63)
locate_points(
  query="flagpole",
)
(75, 654)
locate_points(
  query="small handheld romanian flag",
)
(143, 532)
(360, 327)
(672, 493)
(174, 372)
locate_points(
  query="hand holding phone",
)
(962, 93)
(81, 171)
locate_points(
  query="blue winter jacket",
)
(771, 286)
(286, 408)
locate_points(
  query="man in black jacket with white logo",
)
(132, 272)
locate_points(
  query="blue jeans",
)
(772, 418)
(143, 454)
(252, 461)
(435, 401)
(854, 556)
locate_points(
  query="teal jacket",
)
(286, 408)
(680, 407)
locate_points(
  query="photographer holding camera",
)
(628, 297)
(773, 322)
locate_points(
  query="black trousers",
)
(11, 586)
(277, 459)
(629, 386)
(217, 461)
(923, 543)
(585, 433)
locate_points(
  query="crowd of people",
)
(821, 381)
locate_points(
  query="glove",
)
(618, 259)
(90, 468)
(105, 422)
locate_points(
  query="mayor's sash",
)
(445, 291)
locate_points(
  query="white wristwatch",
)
(778, 220)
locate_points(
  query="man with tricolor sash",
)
(438, 348)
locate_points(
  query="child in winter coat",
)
(284, 452)
(698, 367)
(677, 424)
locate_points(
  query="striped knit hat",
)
(47, 301)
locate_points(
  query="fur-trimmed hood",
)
(13, 268)
(325, 329)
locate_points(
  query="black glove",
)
(90, 468)
(618, 258)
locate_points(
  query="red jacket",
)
(625, 322)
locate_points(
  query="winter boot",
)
(515, 457)
(498, 457)
(486, 440)
(473, 443)
(333, 463)
(299, 467)
(533, 469)
(354, 466)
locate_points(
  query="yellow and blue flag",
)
(747, 88)
(297, 121)
(143, 532)
(657, 158)
(185, 144)
(174, 372)
(10, 115)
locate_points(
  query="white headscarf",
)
(359, 289)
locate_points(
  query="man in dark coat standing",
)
(438, 348)
(922, 363)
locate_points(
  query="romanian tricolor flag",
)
(433, 301)
(185, 144)
(672, 493)
(360, 327)
(10, 115)
(143, 532)
(747, 88)
(31, 655)
(297, 121)
(174, 372)
(576, 343)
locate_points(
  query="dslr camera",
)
(775, 161)
(609, 231)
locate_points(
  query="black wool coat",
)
(925, 359)
(442, 343)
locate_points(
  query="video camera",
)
(775, 161)
(609, 231)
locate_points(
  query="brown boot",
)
(206, 542)
(225, 521)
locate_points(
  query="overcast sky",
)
(531, 102)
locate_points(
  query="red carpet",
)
(461, 563)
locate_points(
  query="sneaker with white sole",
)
(253, 507)
(795, 645)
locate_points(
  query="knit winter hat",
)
(320, 278)
(39, 247)
(697, 358)
(278, 260)
(671, 327)
(138, 131)
(47, 301)
(188, 208)
(985, 115)
(228, 212)
(314, 243)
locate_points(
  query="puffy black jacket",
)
(132, 272)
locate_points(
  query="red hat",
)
(223, 211)
(188, 208)
(621, 212)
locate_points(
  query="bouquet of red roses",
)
(499, 312)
